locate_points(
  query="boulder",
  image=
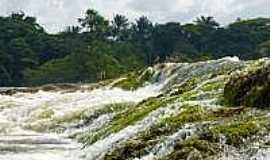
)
(250, 87)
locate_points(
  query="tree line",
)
(98, 48)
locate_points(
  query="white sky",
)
(55, 15)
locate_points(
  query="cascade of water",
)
(24, 109)
(167, 146)
(253, 151)
(22, 115)
(97, 150)
(97, 123)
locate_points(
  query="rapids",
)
(17, 142)
(52, 125)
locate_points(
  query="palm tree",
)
(120, 26)
(208, 22)
(120, 22)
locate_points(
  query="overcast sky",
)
(54, 15)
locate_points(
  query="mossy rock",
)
(128, 150)
(184, 87)
(194, 149)
(127, 118)
(235, 133)
(135, 80)
(249, 88)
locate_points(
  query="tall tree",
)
(120, 27)
(94, 23)
(142, 32)
(201, 31)
(143, 29)
(207, 22)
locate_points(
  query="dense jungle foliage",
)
(99, 49)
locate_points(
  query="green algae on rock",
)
(195, 149)
(134, 80)
(130, 117)
(250, 87)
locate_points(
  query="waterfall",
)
(46, 125)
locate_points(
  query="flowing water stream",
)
(46, 125)
(17, 111)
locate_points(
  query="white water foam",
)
(17, 143)
(98, 149)
(21, 109)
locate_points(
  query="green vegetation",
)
(141, 144)
(233, 125)
(99, 49)
(194, 148)
(240, 129)
(134, 80)
(213, 86)
(249, 88)
(236, 132)
(185, 87)
(216, 128)
(189, 114)
(127, 118)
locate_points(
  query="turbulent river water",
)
(19, 110)
(48, 125)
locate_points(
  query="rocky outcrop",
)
(250, 87)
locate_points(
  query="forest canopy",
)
(98, 48)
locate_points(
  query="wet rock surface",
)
(250, 87)
(170, 111)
